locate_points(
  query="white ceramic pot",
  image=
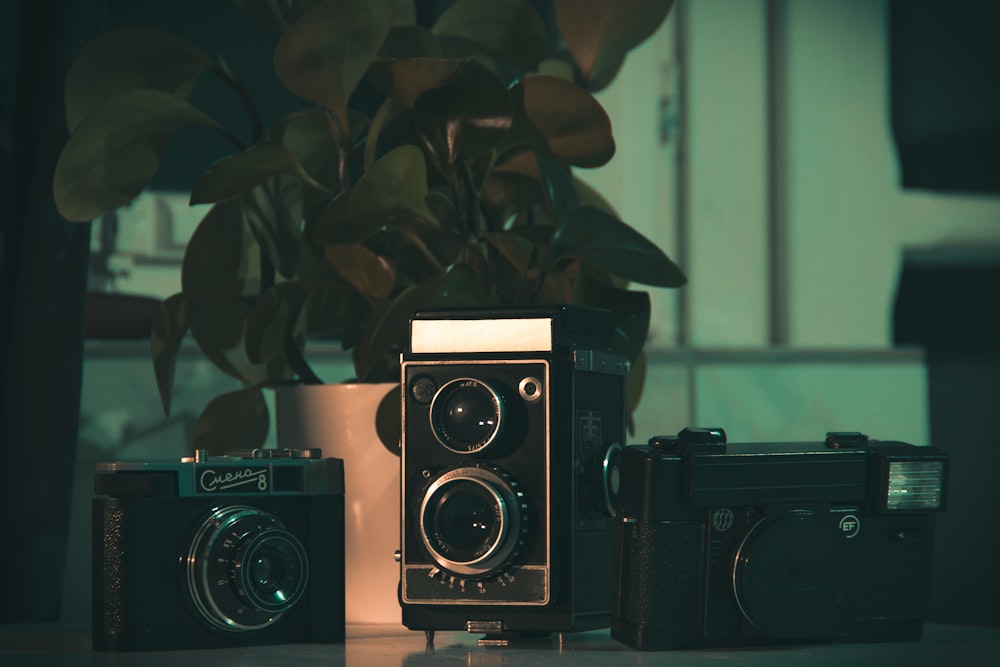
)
(340, 420)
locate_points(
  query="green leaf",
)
(326, 309)
(558, 186)
(598, 238)
(393, 191)
(218, 326)
(276, 16)
(371, 274)
(323, 56)
(170, 324)
(235, 420)
(405, 79)
(631, 311)
(516, 249)
(389, 420)
(127, 59)
(273, 213)
(459, 286)
(466, 117)
(222, 258)
(511, 30)
(599, 33)
(272, 322)
(410, 41)
(573, 124)
(114, 153)
(307, 135)
(335, 225)
(237, 174)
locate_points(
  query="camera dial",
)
(244, 569)
(467, 415)
(472, 520)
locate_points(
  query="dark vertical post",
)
(43, 280)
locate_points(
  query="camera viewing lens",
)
(244, 569)
(470, 520)
(466, 415)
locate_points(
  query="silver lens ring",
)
(218, 563)
(466, 415)
(610, 478)
(470, 520)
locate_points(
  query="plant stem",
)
(278, 15)
(415, 239)
(231, 138)
(379, 120)
(257, 126)
(341, 138)
(299, 364)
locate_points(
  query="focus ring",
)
(472, 520)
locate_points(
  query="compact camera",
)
(219, 551)
(740, 544)
(513, 421)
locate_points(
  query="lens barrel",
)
(472, 520)
(467, 415)
(244, 569)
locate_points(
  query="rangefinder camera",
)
(513, 424)
(218, 551)
(741, 544)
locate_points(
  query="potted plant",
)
(457, 189)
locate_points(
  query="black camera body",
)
(742, 544)
(513, 424)
(219, 551)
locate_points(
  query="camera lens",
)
(791, 575)
(464, 519)
(471, 520)
(244, 569)
(466, 415)
(272, 570)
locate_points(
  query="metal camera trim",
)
(608, 473)
(449, 387)
(522, 389)
(507, 539)
(196, 563)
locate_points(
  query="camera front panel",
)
(175, 573)
(476, 482)
(718, 574)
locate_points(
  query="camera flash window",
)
(915, 485)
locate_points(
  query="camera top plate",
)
(844, 467)
(536, 329)
(260, 472)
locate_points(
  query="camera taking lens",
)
(471, 520)
(244, 570)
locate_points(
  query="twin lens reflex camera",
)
(220, 551)
(513, 422)
(740, 544)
